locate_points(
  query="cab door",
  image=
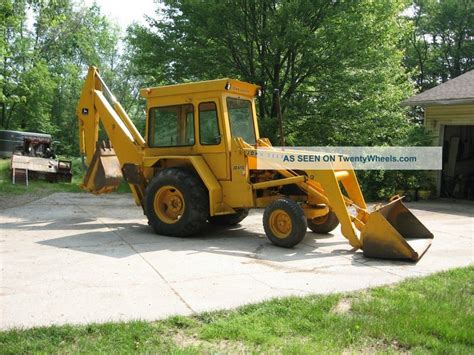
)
(211, 136)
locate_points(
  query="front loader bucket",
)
(104, 173)
(393, 232)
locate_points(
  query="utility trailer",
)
(52, 170)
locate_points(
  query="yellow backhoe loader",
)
(197, 165)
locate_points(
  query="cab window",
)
(241, 119)
(208, 124)
(171, 126)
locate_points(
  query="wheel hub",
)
(169, 204)
(280, 224)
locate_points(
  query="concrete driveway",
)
(76, 258)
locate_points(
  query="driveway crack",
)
(157, 272)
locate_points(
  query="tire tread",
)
(298, 220)
(198, 201)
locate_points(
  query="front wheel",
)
(284, 223)
(324, 224)
(176, 203)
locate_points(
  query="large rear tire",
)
(230, 219)
(284, 223)
(176, 203)
(324, 224)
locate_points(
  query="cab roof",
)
(228, 85)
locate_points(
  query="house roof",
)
(459, 90)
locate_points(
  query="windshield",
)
(241, 119)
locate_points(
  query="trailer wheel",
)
(230, 219)
(284, 223)
(176, 203)
(324, 224)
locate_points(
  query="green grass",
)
(41, 186)
(424, 315)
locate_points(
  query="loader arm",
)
(97, 105)
(387, 232)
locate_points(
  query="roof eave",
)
(425, 103)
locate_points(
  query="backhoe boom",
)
(106, 161)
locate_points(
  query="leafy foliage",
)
(336, 64)
(45, 48)
(440, 46)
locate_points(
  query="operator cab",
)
(206, 113)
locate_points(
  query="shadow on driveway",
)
(120, 240)
(125, 239)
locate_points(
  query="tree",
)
(13, 52)
(357, 102)
(272, 43)
(43, 64)
(441, 46)
(305, 49)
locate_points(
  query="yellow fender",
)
(216, 204)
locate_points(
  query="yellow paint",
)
(226, 164)
(278, 182)
(280, 224)
(312, 213)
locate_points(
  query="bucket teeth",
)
(393, 232)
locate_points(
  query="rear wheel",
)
(176, 203)
(230, 219)
(284, 223)
(323, 224)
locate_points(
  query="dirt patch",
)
(226, 346)
(8, 200)
(379, 346)
(342, 307)
(184, 340)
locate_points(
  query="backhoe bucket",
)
(393, 232)
(104, 174)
